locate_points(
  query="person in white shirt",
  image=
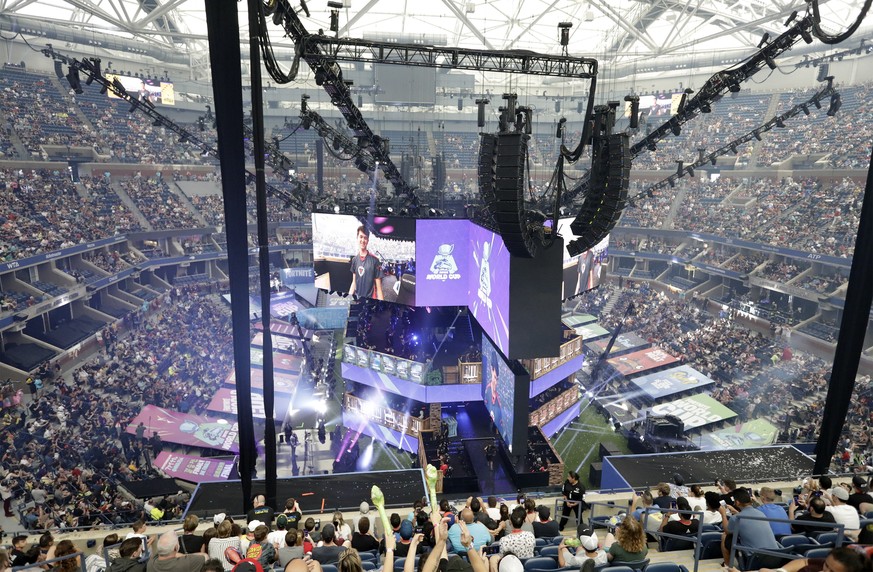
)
(843, 513)
(588, 550)
(493, 510)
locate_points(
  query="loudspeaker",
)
(595, 474)
(460, 104)
(666, 428)
(508, 204)
(823, 70)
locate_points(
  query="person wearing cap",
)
(166, 557)
(843, 513)
(260, 511)
(544, 526)
(752, 532)
(860, 496)
(404, 546)
(480, 533)
(218, 519)
(329, 551)
(277, 537)
(518, 541)
(588, 550)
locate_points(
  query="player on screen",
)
(366, 269)
(493, 395)
(584, 272)
(485, 276)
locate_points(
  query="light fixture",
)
(564, 28)
(836, 103)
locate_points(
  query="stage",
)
(761, 464)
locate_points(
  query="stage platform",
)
(761, 464)
(314, 493)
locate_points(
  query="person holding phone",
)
(815, 513)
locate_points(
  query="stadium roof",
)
(626, 32)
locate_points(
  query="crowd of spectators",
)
(68, 444)
(162, 208)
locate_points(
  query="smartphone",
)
(639, 493)
(418, 530)
(317, 524)
(492, 549)
(796, 499)
(816, 494)
(673, 505)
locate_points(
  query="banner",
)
(224, 401)
(755, 433)
(194, 469)
(668, 382)
(623, 343)
(640, 361)
(282, 362)
(282, 382)
(591, 331)
(187, 429)
(280, 343)
(695, 411)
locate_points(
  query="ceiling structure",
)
(617, 32)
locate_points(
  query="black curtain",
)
(222, 24)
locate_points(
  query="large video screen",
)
(583, 271)
(504, 392)
(442, 250)
(156, 91)
(488, 284)
(368, 258)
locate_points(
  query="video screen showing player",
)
(583, 271)
(367, 258)
(498, 390)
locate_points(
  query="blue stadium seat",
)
(368, 565)
(550, 551)
(635, 565)
(666, 567)
(541, 563)
(818, 553)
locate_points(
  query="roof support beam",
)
(460, 15)
(531, 25)
(158, 13)
(610, 13)
(354, 20)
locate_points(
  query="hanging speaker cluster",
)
(502, 160)
(607, 194)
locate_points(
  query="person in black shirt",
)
(573, 493)
(859, 494)
(686, 525)
(664, 500)
(816, 514)
(292, 513)
(260, 511)
(362, 540)
(545, 527)
(366, 269)
(190, 543)
(18, 556)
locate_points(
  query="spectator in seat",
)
(628, 544)
(189, 542)
(767, 497)
(860, 495)
(362, 540)
(588, 550)
(328, 552)
(166, 556)
(518, 541)
(843, 513)
(544, 526)
(713, 514)
(815, 514)
(480, 533)
(680, 523)
(293, 547)
(749, 531)
(130, 553)
(842, 559)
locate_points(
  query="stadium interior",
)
(494, 249)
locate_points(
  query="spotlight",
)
(805, 109)
(734, 88)
(690, 170)
(680, 170)
(770, 63)
(764, 39)
(675, 128)
(334, 20)
(757, 134)
(780, 122)
(712, 159)
(705, 108)
(734, 148)
(836, 103)
(807, 37)
(672, 181)
(651, 146)
(817, 103)
(75, 82)
(59, 69)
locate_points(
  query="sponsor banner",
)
(623, 343)
(224, 401)
(188, 429)
(281, 362)
(695, 411)
(194, 469)
(637, 362)
(40, 258)
(280, 343)
(578, 320)
(282, 382)
(670, 381)
(755, 433)
(591, 331)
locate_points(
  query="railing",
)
(736, 546)
(554, 407)
(387, 417)
(540, 366)
(39, 565)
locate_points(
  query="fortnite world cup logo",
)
(485, 276)
(443, 266)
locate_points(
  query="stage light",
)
(817, 103)
(770, 63)
(334, 21)
(805, 109)
(836, 103)
(764, 39)
(780, 122)
(680, 168)
(690, 170)
(651, 146)
(73, 79)
(676, 129)
(712, 159)
(757, 134)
